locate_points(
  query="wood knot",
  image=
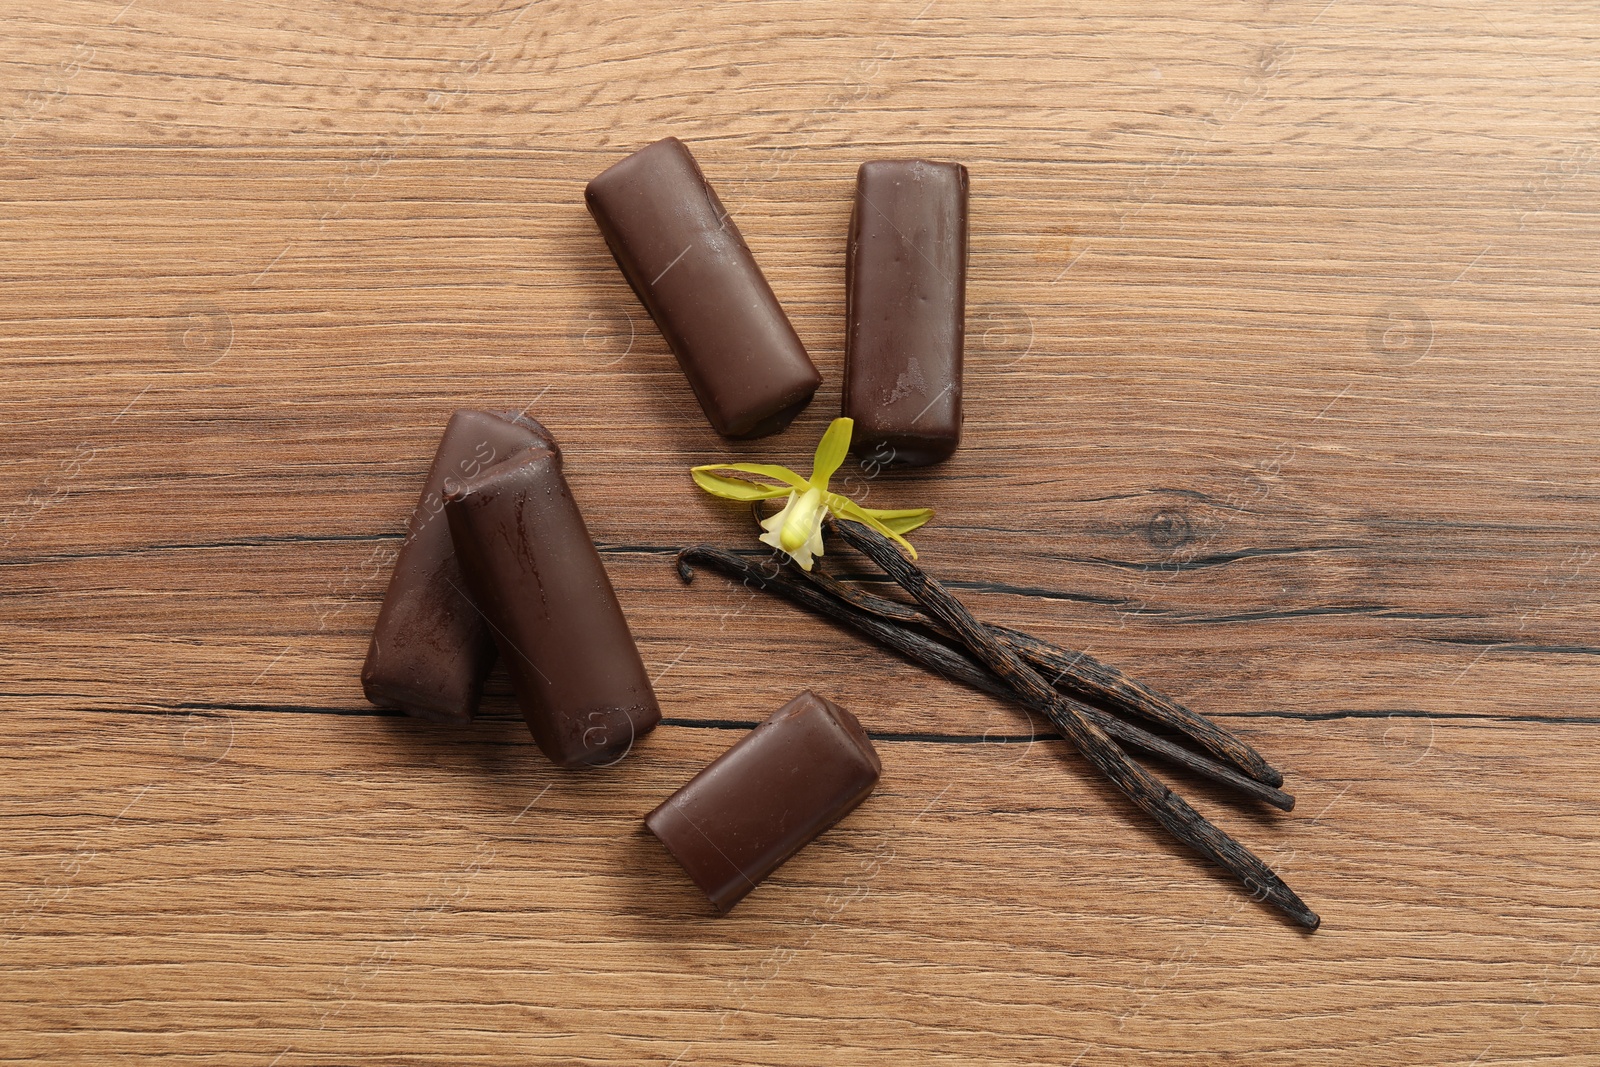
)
(1169, 529)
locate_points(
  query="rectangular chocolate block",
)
(691, 269)
(430, 648)
(530, 566)
(905, 310)
(792, 777)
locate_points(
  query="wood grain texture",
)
(1280, 395)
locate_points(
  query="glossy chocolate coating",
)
(530, 565)
(691, 269)
(430, 648)
(796, 774)
(905, 310)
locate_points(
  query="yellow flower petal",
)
(902, 521)
(831, 451)
(735, 488)
(856, 513)
(767, 470)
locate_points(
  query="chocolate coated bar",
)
(905, 310)
(530, 566)
(691, 269)
(796, 774)
(430, 648)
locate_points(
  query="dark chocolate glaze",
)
(905, 310)
(792, 777)
(430, 649)
(529, 564)
(690, 267)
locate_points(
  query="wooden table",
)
(1281, 394)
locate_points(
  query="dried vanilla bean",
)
(917, 646)
(1086, 677)
(1158, 801)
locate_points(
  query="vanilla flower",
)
(797, 529)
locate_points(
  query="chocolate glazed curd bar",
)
(792, 777)
(431, 649)
(905, 310)
(530, 566)
(690, 267)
